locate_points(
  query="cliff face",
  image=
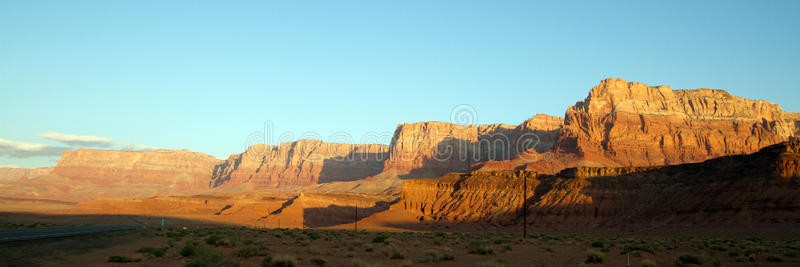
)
(763, 187)
(13, 174)
(428, 149)
(300, 163)
(633, 124)
(178, 168)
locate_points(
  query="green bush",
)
(213, 239)
(479, 247)
(687, 259)
(319, 261)
(314, 236)
(648, 263)
(602, 243)
(436, 257)
(774, 258)
(189, 249)
(594, 256)
(249, 251)
(118, 258)
(789, 253)
(154, 252)
(380, 238)
(397, 255)
(203, 256)
(282, 261)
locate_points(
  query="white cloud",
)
(78, 140)
(17, 149)
(134, 147)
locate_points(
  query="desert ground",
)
(184, 242)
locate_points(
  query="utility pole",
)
(524, 206)
(356, 219)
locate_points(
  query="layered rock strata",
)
(430, 149)
(176, 168)
(763, 187)
(300, 163)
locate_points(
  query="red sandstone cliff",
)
(633, 124)
(428, 149)
(14, 174)
(178, 168)
(300, 163)
(763, 187)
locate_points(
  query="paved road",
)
(48, 232)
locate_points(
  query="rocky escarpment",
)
(300, 163)
(429, 149)
(14, 174)
(632, 124)
(175, 168)
(638, 125)
(763, 187)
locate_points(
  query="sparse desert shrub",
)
(280, 261)
(602, 243)
(213, 239)
(319, 261)
(774, 258)
(718, 247)
(119, 258)
(436, 257)
(479, 247)
(501, 240)
(202, 256)
(250, 251)
(380, 238)
(733, 252)
(154, 252)
(648, 263)
(397, 255)
(314, 236)
(593, 256)
(687, 259)
(491, 264)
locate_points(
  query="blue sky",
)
(203, 76)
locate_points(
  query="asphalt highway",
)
(49, 232)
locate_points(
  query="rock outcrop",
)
(300, 163)
(632, 124)
(430, 149)
(170, 168)
(14, 174)
(763, 187)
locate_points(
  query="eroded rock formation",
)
(632, 124)
(169, 168)
(763, 187)
(430, 149)
(300, 163)
(14, 174)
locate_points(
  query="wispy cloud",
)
(17, 149)
(78, 140)
(134, 147)
(10, 166)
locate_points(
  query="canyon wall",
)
(300, 163)
(763, 187)
(430, 149)
(632, 124)
(170, 168)
(638, 125)
(14, 174)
